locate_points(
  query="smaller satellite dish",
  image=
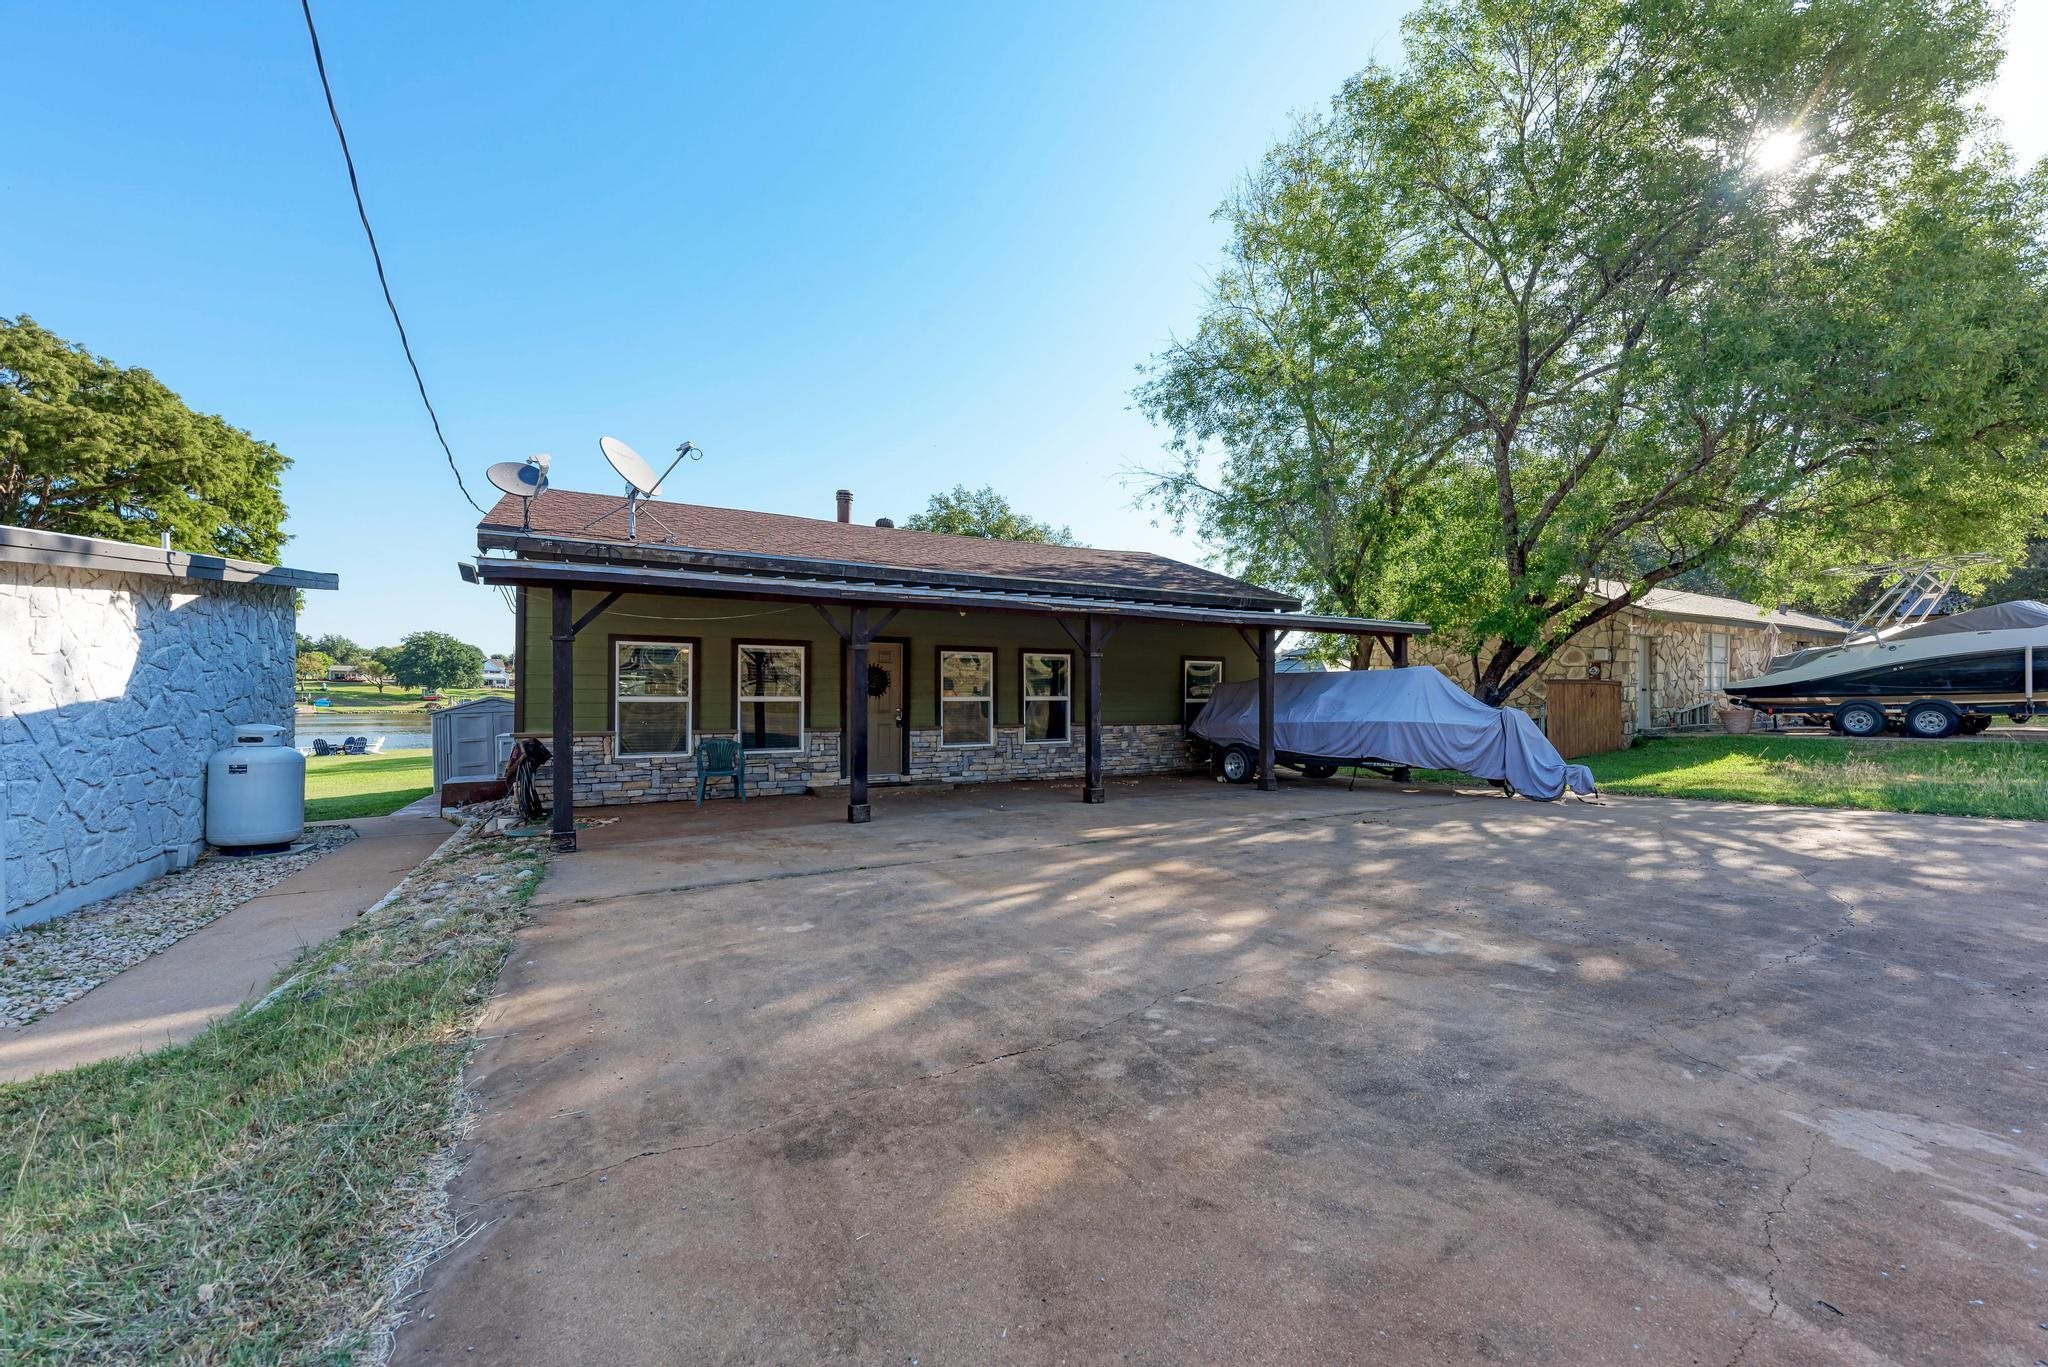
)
(637, 473)
(523, 479)
(520, 478)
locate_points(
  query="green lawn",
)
(1947, 777)
(341, 786)
(245, 1197)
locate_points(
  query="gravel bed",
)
(52, 962)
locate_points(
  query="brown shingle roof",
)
(698, 527)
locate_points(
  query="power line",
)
(356, 189)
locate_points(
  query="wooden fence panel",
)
(1583, 716)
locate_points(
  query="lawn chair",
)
(321, 747)
(721, 758)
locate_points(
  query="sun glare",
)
(1777, 151)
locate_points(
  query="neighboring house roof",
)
(28, 546)
(1686, 606)
(690, 534)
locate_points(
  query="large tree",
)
(341, 648)
(984, 512)
(2028, 579)
(434, 660)
(1594, 294)
(97, 449)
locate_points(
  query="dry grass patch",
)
(246, 1197)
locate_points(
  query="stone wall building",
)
(1672, 652)
(122, 668)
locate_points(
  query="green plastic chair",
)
(718, 757)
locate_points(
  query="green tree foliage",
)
(2028, 579)
(94, 449)
(376, 666)
(986, 513)
(435, 660)
(343, 650)
(1594, 294)
(312, 666)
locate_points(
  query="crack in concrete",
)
(1770, 1218)
(1041, 1047)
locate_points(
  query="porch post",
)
(562, 686)
(1269, 780)
(1399, 646)
(1091, 648)
(856, 727)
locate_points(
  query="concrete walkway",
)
(170, 997)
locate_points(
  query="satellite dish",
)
(524, 480)
(632, 468)
(641, 481)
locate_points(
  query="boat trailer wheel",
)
(1237, 765)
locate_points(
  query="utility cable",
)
(376, 256)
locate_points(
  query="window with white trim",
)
(967, 697)
(1198, 679)
(771, 696)
(1717, 661)
(1048, 696)
(651, 697)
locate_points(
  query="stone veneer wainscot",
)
(602, 778)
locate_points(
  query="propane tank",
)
(256, 792)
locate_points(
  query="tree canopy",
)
(1589, 295)
(95, 449)
(435, 660)
(986, 513)
(341, 648)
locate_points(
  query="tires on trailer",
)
(1932, 720)
(1237, 764)
(1319, 770)
(1859, 719)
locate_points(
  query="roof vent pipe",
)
(885, 522)
(846, 505)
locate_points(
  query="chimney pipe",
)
(846, 505)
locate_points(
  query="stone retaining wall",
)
(114, 690)
(602, 778)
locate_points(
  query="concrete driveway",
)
(1211, 1075)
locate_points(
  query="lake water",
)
(399, 733)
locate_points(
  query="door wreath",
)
(878, 681)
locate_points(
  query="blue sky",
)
(890, 250)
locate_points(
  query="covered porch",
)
(864, 618)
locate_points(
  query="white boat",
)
(1933, 677)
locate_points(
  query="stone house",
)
(122, 668)
(843, 655)
(1671, 652)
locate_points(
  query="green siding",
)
(1140, 665)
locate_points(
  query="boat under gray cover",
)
(1412, 717)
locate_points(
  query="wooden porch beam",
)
(562, 829)
(859, 633)
(1269, 778)
(1091, 643)
(591, 616)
